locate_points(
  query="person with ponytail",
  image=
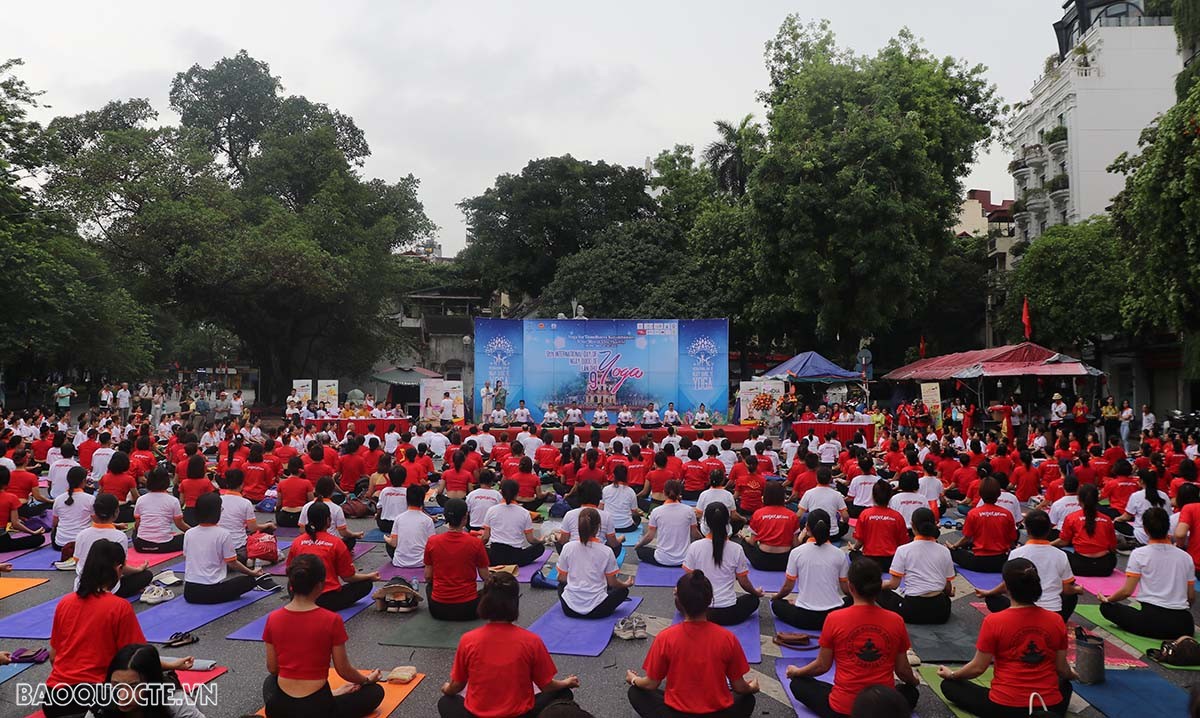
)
(1089, 531)
(880, 530)
(104, 512)
(867, 644)
(927, 572)
(502, 662)
(508, 530)
(72, 510)
(195, 484)
(588, 584)
(673, 525)
(456, 481)
(92, 624)
(10, 513)
(156, 515)
(119, 481)
(453, 560)
(209, 551)
(703, 664)
(1165, 579)
(818, 569)
(323, 494)
(1129, 523)
(1119, 488)
(989, 530)
(620, 501)
(336, 559)
(775, 528)
(302, 639)
(724, 563)
(139, 664)
(292, 493)
(590, 496)
(1060, 594)
(529, 485)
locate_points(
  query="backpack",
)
(267, 505)
(262, 546)
(356, 508)
(1184, 651)
(559, 509)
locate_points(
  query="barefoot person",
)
(588, 584)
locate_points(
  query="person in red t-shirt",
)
(338, 562)
(293, 492)
(502, 662)
(453, 560)
(530, 494)
(10, 514)
(1187, 532)
(1091, 533)
(695, 474)
(314, 464)
(352, 467)
(87, 448)
(142, 459)
(775, 527)
(703, 664)
(865, 642)
(1025, 479)
(1028, 647)
(748, 487)
(879, 530)
(193, 487)
(963, 477)
(989, 529)
(802, 476)
(456, 481)
(24, 484)
(119, 482)
(1119, 488)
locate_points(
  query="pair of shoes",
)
(639, 627)
(68, 565)
(156, 594)
(266, 584)
(180, 639)
(913, 659)
(624, 629)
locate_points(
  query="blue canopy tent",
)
(811, 368)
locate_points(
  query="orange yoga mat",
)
(10, 586)
(393, 694)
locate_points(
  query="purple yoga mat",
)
(982, 581)
(657, 576)
(286, 532)
(809, 652)
(280, 569)
(177, 615)
(579, 636)
(388, 572)
(33, 622)
(41, 559)
(1106, 585)
(253, 631)
(181, 567)
(770, 581)
(7, 556)
(781, 666)
(747, 633)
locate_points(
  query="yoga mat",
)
(33, 622)
(393, 694)
(420, 630)
(809, 652)
(1108, 585)
(579, 636)
(525, 573)
(286, 532)
(781, 666)
(552, 576)
(12, 669)
(1134, 692)
(631, 538)
(388, 572)
(373, 536)
(160, 621)
(747, 633)
(1138, 643)
(769, 581)
(253, 631)
(281, 545)
(280, 569)
(10, 586)
(41, 559)
(951, 642)
(133, 557)
(649, 575)
(930, 678)
(982, 581)
(8, 556)
(1114, 657)
(191, 679)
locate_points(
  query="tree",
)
(683, 186)
(731, 158)
(855, 196)
(519, 229)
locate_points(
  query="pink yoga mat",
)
(133, 557)
(1107, 585)
(1113, 657)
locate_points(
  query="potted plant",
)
(1058, 134)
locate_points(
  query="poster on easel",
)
(748, 393)
(931, 395)
(432, 393)
(304, 389)
(327, 391)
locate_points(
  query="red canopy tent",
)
(1025, 359)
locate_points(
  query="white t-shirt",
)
(827, 453)
(479, 502)
(1166, 572)
(100, 461)
(58, 476)
(436, 442)
(817, 571)
(673, 523)
(391, 440)
(570, 523)
(1053, 569)
(337, 517)
(498, 416)
(574, 416)
(207, 551)
(531, 444)
(907, 502)
(236, 511)
(931, 488)
(393, 501)
(650, 417)
(156, 512)
(824, 497)
(714, 496)
(484, 441)
(728, 458)
(1136, 507)
(699, 557)
(671, 416)
(521, 415)
(619, 502)
(74, 518)
(89, 536)
(861, 488)
(411, 529)
(447, 409)
(924, 564)
(235, 406)
(587, 567)
(600, 417)
(123, 399)
(1010, 503)
(508, 523)
(624, 417)
(1062, 508)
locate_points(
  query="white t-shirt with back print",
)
(508, 524)
(479, 502)
(73, 518)
(817, 571)
(673, 524)
(824, 497)
(156, 512)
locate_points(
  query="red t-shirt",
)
(1086, 474)
(697, 659)
(636, 474)
(963, 478)
(502, 663)
(332, 552)
(1024, 642)
(802, 479)
(695, 476)
(284, 454)
(304, 641)
(500, 452)
(118, 485)
(257, 479)
(457, 479)
(415, 473)
(40, 449)
(711, 464)
(589, 474)
(896, 461)
(881, 531)
(142, 462)
(865, 641)
(1118, 489)
(1055, 490)
(658, 479)
(675, 466)
(1026, 482)
(192, 489)
(547, 457)
(1002, 465)
(86, 634)
(774, 525)
(750, 491)
(86, 449)
(330, 456)
(528, 484)
(293, 492)
(352, 471)
(8, 504)
(1190, 515)
(1048, 471)
(991, 529)
(1103, 538)
(510, 466)
(456, 558)
(1113, 454)
(21, 484)
(316, 470)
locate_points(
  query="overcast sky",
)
(458, 92)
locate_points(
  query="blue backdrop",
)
(609, 362)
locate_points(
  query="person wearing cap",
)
(453, 561)
(221, 408)
(1058, 410)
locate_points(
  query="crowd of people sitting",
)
(703, 505)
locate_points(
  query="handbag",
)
(1183, 651)
(356, 508)
(263, 547)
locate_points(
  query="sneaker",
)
(639, 627)
(156, 594)
(266, 584)
(624, 629)
(68, 565)
(913, 659)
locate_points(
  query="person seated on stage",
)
(927, 571)
(724, 563)
(1026, 645)
(133, 579)
(1059, 592)
(600, 418)
(673, 525)
(550, 419)
(621, 502)
(670, 417)
(336, 558)
(573, 416)
(520, 415)
(208, 550)
(650, 418)
(453, 561)
(819, 569)
(880, 530)
(156, 515)
(1165, 579)
(702, 419)
(624, 416)
(498, 417)
(502, 662)
(988, 533)
(588, 584)
(508, 530)
(411, 530)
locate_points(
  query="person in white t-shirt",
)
(717, 493)
(600, 418)
(337, 518)
(209, 552)
(1007, 500)
(59, 468)
(819, 570)
(123, 398)
(101, 457)
(520, 415)
(481, 499)
(673, 525)
(670, 417)
(589, 586)
(1067, 505)
(1060, 594)
(927, 571)
(391, 440)
(624, 417)
(237, 513)
(908, 497)
(392, 500)
(134, 579)
(237, 405)
(446, 413)
(410, 531)
(620, 501)
(498, 417)
(574, 416)
(1129, 522)
(589, 495)
(484, 441)
(825, 498)
(1165, 580)
(508, 531)
(828, 451)
(72, 509)
(650, 418)
(724, 563)
(156, 515)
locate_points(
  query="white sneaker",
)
(624, 629)
(68, 565)
(156, 594)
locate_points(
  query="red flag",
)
(922, 346)
(1026, 320)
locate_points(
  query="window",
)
(1121, 9)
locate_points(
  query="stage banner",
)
(304, 389)
(931, 394)
(605, 362)
(431, 399)
(327, 391)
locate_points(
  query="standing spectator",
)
(145, 394)
(63, 397)
(236, 405)
(221, 408)
(123, 401)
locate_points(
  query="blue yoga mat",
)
(552, 576)
(253, 631)
(809, 652)
(373, 536)
(747, 633)
(41, 559)
(631, 538)
(767, 580)
(33, 622)
(579, 636)
(177, 615)
(657, 576)
(12, 670)
(1122, 690)
(982, 581)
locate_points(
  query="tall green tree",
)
(731, 157)
(683, 186)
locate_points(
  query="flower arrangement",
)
(763, 402)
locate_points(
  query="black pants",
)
(290, 519)
(322, 704)
(533, 505)
(189, 516)
(68, 711)
(637, 521)
(692, 495)
(613, 601)
(125, 514)
(132, 584)
(652, 704)
(1084, 566)
(966, 558)
(345, 597)
(230, 589)
(8, 542)
(855, 510)
(175, 544)
(37, 508)
(885, 562)
(996, 604)
(500, 554)
(974, 699)
(645, 554)
(815, 695)
(1124, 528)
(742, 609)
(456, 707)
(384, 526)
(467, 611)
(765, 561)
(917, 610)
(792, 614)
(1109, 512)
(1150, 621)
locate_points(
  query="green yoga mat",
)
(930, 678)
(419, 630)
(1138, 643)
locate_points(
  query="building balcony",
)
(1037, 200)
(1020, 171)
(1059, 188)
(1035, 156)
(1056, 142)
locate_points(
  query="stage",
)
(359, 425)
(735, 433)
(845, 431)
